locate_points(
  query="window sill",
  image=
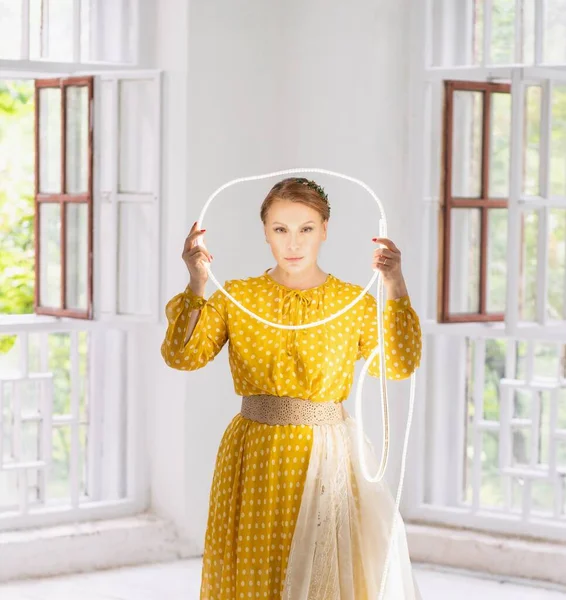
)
(485, 553)
(89, 546)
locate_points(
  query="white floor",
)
(181, 581)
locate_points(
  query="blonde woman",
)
(291, 515)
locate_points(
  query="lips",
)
(295, 258)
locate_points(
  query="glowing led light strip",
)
(383, 379)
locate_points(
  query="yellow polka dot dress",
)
(261, 469)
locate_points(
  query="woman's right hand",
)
(195, 256)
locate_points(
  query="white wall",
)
(254, 86)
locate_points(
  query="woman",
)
(290, 513)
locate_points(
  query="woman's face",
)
(294, 231)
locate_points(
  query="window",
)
(492, 127)
(69, 431)
(63, 216)
(475, 189)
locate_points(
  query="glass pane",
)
(545, 427)
(10, 29)
(558, 142)
(531, 149)
(85, 30)
(556, 304)
(561, 421)
(467, 144)
(9, 496)
(50, 140)
(500, 132)
(35, 30)
(59, 345)
(521, 360)
(494, 372)
(522, 404)
(543, 497)
(137, 150)
(503, 32)
(546, 361)
(50, 254)
(529, 262)
(496, 259)
(77, 140)
(491, 492)
(58, 25)
(521, 446)
(58, 482)
(464, 260)
(555, 32)
(528, 32)
(77, 255)
(31, 439)
(478, 31)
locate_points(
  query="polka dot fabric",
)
(315, 364)
(254, 502)
(261, 469)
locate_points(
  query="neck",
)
(300, 281)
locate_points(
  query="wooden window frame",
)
(63, 198)
(483, 203)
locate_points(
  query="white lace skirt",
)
(341, 539)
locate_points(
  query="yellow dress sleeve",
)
(402, 337)
(208, 337)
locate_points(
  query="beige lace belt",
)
(285, 410)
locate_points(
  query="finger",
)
(387, 243)
(384, 252)
(190, 240)
(198, 250)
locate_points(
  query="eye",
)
(277, 229)
(308, 229)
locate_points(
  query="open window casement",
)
(127, 196)
(536, 283)
(63, 197)
(503, 201)
(97, 196)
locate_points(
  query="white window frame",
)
(438, 411)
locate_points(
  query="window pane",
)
(496, 259)
(50, 140)
(137, 150)
(77, 255)
(10, 28)
(50, 254)
(527, 296)
(85, 30)
(531, 150)
(529, 32)
(464, 261)
(77, 139)
(500, 131)
(494, 373)
(478, 31)
(546, 360)
(503, 32)
(558, 142)
(557, 264)
(58, 24)
(466, 144)
(555, 32)
(58, 482)
(491, 491)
